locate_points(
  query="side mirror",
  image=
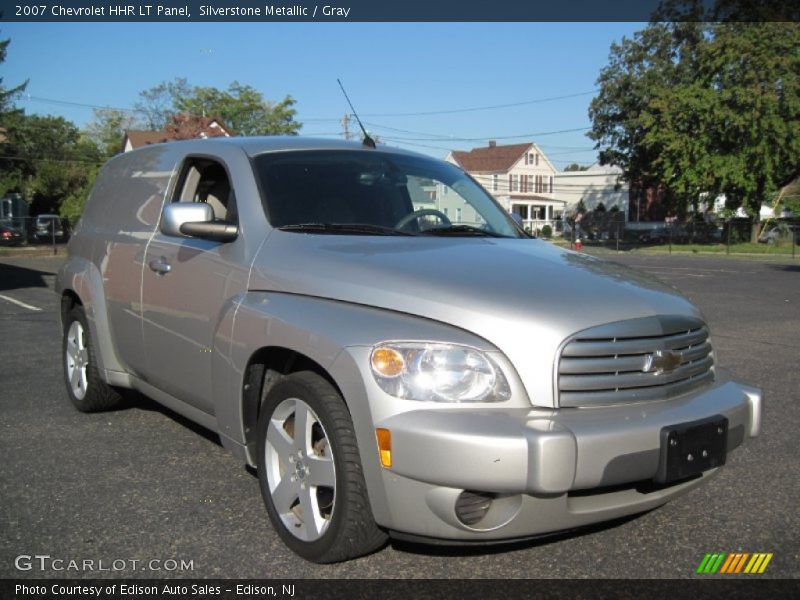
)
(195, 219)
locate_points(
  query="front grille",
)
(634, 361)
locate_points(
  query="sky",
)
(393, 72)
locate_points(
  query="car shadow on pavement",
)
(785, 267)
(135, 399)
(13, 277)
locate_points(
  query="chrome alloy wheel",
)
(77, 358)
(300, 470)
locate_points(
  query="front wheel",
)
(310, 472)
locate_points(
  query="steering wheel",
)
(424, 212)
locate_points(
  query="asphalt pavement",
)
(142, 484)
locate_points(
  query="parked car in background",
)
(44, 225)
(11, 236)
(390, 363)
(776, 232)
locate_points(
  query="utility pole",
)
(346, 126)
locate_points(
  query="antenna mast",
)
(368, 141)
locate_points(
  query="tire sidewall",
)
(294, 387)
(83, 404)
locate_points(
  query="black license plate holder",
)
(688, 449)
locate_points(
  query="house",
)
(599, 184)
(182, 127)
(521, 179)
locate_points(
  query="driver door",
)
(188, 284)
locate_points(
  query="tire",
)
(86, 389)
(318, 473)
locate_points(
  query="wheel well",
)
(267, 367)
(69, 299)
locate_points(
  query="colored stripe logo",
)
(734, 563)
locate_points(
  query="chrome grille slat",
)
(571, 383)
(600, 366)
(616, 346)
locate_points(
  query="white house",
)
(519, 176)
(598, 184)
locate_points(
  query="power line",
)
(479, 108)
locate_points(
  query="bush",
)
(547, 232)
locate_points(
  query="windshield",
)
(349, 192)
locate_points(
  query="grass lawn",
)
(744, 248)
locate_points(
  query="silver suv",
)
(371, 331)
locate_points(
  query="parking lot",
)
(143, 484)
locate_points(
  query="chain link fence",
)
(612, 232)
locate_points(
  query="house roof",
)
(491, 157)
(139, 138)
(206, 127)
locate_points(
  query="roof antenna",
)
(367, 141)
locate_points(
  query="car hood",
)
(523, 296)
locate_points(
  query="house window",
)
(494, 182)
(458, 215)
(444, 210)
(514, 183)
(537, 159)
(551, 184)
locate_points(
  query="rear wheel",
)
(310, 472)
(86, 389)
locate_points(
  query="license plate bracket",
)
(688, 449)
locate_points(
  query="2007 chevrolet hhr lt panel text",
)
(377, 336)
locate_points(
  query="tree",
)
(51, 159)
(158, 105)
(107, 129)
(576, 167)
(7, 96)
(696, 108)
(243, 109)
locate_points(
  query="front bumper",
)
(547, 469)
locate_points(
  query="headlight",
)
(438, 373)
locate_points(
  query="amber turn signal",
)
(384, 446)
(387, 362)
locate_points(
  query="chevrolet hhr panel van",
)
(373, 332)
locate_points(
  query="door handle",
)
(160, 266)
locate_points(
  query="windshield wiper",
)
(343, 229)
(457, 230)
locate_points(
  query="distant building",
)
(183, 127)
(521, 179)
(598, 184)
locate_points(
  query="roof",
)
(197, 126)
(139, 138)
(255, 145)
(491, 157)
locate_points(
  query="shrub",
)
(547, 232)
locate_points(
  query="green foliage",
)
(241, 107)
(158, 104)
(107, 129)
(703, 107)
(576, 167)
(7, 95)
(47, 159)
(547, 232)
(72, 206)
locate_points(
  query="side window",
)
(205, 180)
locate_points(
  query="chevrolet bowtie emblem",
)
(662, 361)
